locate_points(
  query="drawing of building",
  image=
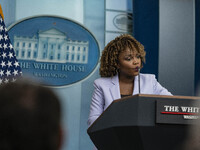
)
(51, 46)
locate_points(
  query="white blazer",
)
(107, 90)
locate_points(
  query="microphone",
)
(138, 79)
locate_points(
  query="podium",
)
(145, 122)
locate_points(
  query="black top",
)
(124, 95)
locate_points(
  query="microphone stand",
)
(139, 80)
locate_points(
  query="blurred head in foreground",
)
(29, 117)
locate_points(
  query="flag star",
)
(1, 73)
(16, 64)
(15, 72)
(6, 37)
(4, 55)
(1, 19)
(9, 64)
(10, 46)
(5, 29)
(8, 72)
(1, 28)
(6, 80)
(3, 64)
(0, 45)
(13, 80)
(10, 54)
(5, 46)
(1, 37)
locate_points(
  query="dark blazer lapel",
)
(114, 89)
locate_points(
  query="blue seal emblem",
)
(54, 50)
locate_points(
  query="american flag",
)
(9, 66)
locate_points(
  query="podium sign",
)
(144, 122)
(177, 112)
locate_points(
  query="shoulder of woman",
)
(102, 80)
(144, 75)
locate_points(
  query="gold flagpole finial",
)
(1, 12)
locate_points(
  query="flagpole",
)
(1, 12)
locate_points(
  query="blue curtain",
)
(146, 30)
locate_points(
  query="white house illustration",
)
(51, 46)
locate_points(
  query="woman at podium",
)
(121, 61)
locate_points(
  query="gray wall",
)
(177, 46)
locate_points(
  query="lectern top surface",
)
(163, 96)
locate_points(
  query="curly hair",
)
(110, 54)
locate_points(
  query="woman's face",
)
(129, 63)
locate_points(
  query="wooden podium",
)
(145, 122)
